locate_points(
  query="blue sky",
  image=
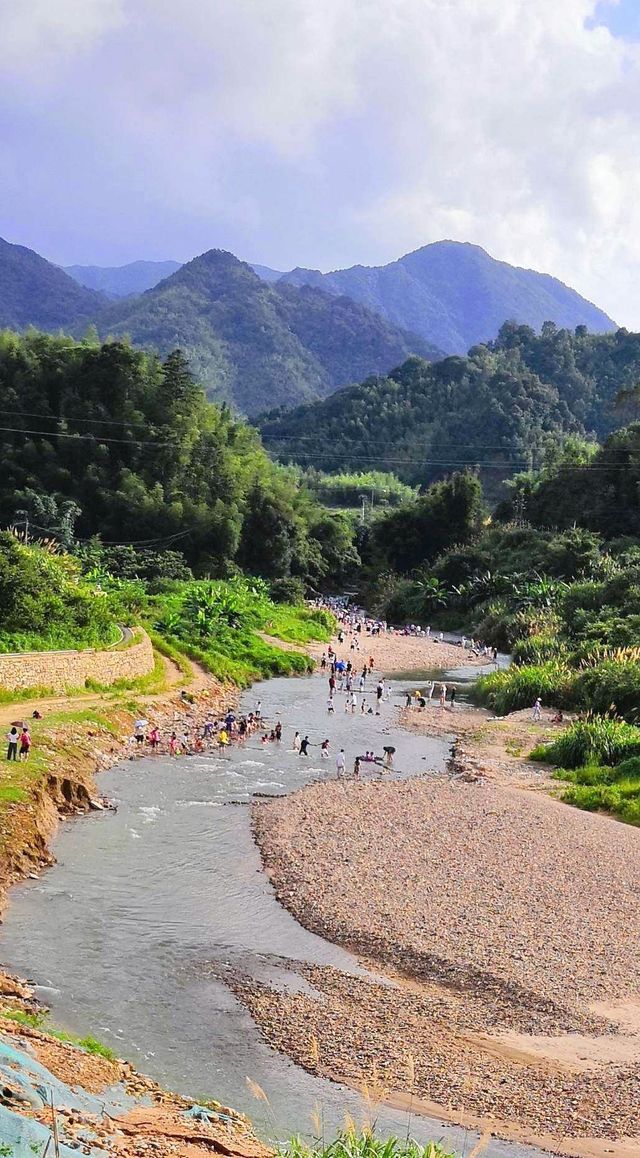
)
(622, 19)
(327, 132)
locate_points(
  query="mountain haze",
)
(456, 295)
(34, 292)
(121, 281)
(258, 345)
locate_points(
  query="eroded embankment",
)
(58, 1097)
(508, 926)
(58, 781)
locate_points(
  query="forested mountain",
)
(456, 295)
(33, 292)
(496, 408)
(128, 448)
(254, 344)
(122, 281)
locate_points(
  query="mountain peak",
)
(34, 292)
(456, 295)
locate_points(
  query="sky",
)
(326, 133)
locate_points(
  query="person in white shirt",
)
(340, 764)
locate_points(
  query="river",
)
(126, 934)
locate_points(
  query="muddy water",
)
(128, 933)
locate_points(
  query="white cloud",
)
(40, 33)
(325, 132)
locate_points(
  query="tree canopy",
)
(132, 441)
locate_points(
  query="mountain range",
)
(257, 345)
(121, 281)
(260, 339)
(450, 293)
(457, 295)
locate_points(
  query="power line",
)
(87, 437)
(110, 542)
(64, 418)
(375, 458)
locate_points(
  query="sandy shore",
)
(392, 653)
(505, 922)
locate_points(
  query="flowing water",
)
(128, 933)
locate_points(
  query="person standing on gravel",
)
(536, 714)
(443, 695)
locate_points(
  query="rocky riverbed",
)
(506, 929)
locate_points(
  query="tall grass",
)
(592, 742)
(519, 687)
(537, 649)
(354, 1143)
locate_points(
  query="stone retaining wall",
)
(60, 670)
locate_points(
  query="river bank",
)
(53, 1090)
(75, 739)
(505, 926)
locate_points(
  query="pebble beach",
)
(502, 931)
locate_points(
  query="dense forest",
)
(104, 439)
(499, 409)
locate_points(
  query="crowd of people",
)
(189, 738)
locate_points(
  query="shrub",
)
(287, 591)
(537, 649)
(519, 687)
(628, 768)
(351, 1143)
(596, 741)
(612, 685)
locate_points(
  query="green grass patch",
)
(40, 1021)
(219, 623)
(165, 647)
(602, 788)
